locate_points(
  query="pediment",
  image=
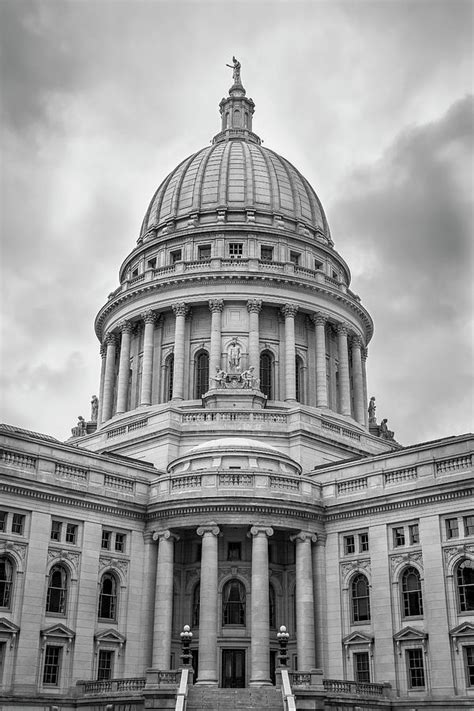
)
(465, 629)
(8, 627)
(410, 634)
(110, 635)
(58, 630)
(357, 638)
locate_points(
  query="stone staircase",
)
(206, 698)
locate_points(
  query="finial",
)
(235, 66)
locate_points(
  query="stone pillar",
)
(321, 376)
(216, 307)
(163, 599)
(344, 382)
(180, 311)
(109, 377)
(289, 311)
(208, 673)
(149, 318)
(358, 381)
(254, 306)
(364, 354)
(305, 642)
(124, 367)
(103, 353)
(320, 613)
(260, 613)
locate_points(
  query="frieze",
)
(73, 557)
(19, 549)
(452, 552)
(117, 563)
(351, 566)
(405, 558)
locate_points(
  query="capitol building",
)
(234, 476)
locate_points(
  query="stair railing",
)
(186, 656)
(286, 692)
(182, 694)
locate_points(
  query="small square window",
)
(414, 534)
(266, 254)
(204, 251)
(469, 665)
(468, 525)
(318, 265)
(295, 258)
(120, 542)
(18, 524)
(349, 545)
(56, 530)
(105, 665)
(363, 542)
(362, 667)
(234, 549)
(152, 263)
(52, 665)
(134, 273)
(334, 274)
(175, 256)
(71, 533)
(452, 528)
(398, 536)
(106, 539)
(416, 670)
(3, 520)
(236, 249)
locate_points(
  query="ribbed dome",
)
(236, 176)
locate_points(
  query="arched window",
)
(465, 585)
(299, 379)
(201, 373)
(233, 603)
(56, 598)
(360, 598)
(266, 374)
(169, 373)
(237, 118)
(196, 605)
(272, 606)
(108, 597)
(411, 592)
(6, 581)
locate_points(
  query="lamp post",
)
(186, 637)
(282, 637)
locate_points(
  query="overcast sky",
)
(371, 101)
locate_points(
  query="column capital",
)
(148, 316)
(216, 305)
(125, 326)
(342, 329)
(165, 535)
(180, 309)
(103, 350)
(319, 319)
(356, 342)
(110, 339)
(364, 353)
(254, 306)
(289, 310)
(210, 527)
(258, 528)
(303, 536)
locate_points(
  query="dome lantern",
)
(236, 111)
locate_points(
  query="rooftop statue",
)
(385, 433)
(372, 408)
(94, 408)
(236, 70)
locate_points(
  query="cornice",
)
(218, 509)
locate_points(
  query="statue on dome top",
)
(235, 66)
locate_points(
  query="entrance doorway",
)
(233, 668)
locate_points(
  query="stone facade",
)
(232, 481)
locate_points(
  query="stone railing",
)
(15, 459)
(400, 475)
(193, 481)
(118, 483)
(67, 471)
(454, 464)
(232, 416)
(344, 431)
(348, 487)
(111, 686)
(123, 429)
(355, 688)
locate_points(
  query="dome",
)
(234, 444)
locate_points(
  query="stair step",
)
(202, 698)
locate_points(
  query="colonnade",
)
(347, 404)
(259, 609)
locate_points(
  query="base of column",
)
(206, 682)
(260, 682)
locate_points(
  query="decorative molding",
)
(451, 553)
(110, 339)
(16, 549)
(254, 306)
(109, 636)
(358, 638)
(216, 305)
(352, 566)
(303, 536)
(210, 527)
(57, 631)
(180, 309)
(319, 319)
(149, 316)
(342, 329)
(463, 631)
(115, 563)
(258, 528)
(356, 342)
(289, 310)
(63, 554)
(165, 535)
(410, 634)
(7, 627)
(400, 559)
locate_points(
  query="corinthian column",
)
(364, 355)
(149, 317)
(109, 377)
(208, 674)
(289, 311)
(180, 311)
(254, 306)
(260, 614)
(358, 380)
(124, 367)
(305, 641)
(103, 353)
(163, 599)
(216, 307)
(321, 376)
(344, 383)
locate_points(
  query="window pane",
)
(363, 542)
(71, 533)
(106, 539)
(411, 592)
(468, 525)
(18, 524)
(452, 528)
(416, 672)
(465, 585)
(105, 664)
(55, 530)
(360, 599)
(3, 520)
(202, 374)
(266, 375)
(52, 658)
(108, 597)
(6, 582)
(398, 537)
(414, 533)
(361, 667)
(57, 591)
(469, 661)
(233, 607)
(120, 542)
(349, 545)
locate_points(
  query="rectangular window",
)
(106, 539)
(398, 536)
(52, 662)
(105, 665)
(134, 273)
(416, 671)
(175, 256)
(55, 530)
(318, 265)
(120, 542)
(468, 525)
(363, 542)
(234, 550)
(349, 545)
(295, 258)
(334, 274)
(18, 524)
(152, 263)
(71, 533)
(452, 528)
(236, 249)
(414, 533)
(266, 254)
(204, 251)
(362, 667)
(3, 520)
(469, 664)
